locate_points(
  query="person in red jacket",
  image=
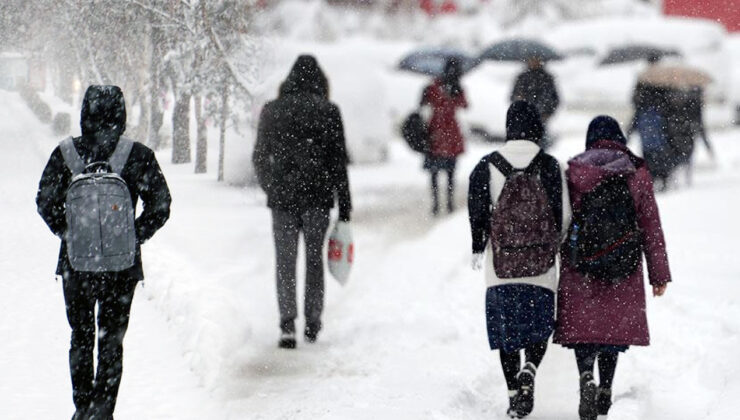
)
(444, 96)
(597, 318)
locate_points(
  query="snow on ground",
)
(34, 334)
(405, 339)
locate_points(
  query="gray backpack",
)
(100, 232)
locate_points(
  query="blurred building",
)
(727, 12)
(18, 70)
(13, 70)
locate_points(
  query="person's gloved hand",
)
(477, 261)
(344, 216)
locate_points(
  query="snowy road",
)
(404, 340)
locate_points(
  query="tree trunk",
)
(156, 116)
(201, 145)
(65, 82)
(222, 130)
(142, 129)
(181, 129)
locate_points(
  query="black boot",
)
(603, 401)
(587, 406)
(525, 398)
(287, 340)
(311, 332)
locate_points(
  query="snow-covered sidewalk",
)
(405, 339)
(34, 334)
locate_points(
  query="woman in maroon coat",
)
(444, 96)
(596, 318)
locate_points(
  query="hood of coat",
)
(306, 77)
(589, 169)
(604, 127)
(103, 121)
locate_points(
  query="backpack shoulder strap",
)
(535, 166)
(500, 163)
(120, 155)
(552, 181)
(71, 158)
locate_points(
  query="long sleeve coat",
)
(300, 156)
(596, 312)
(446, 139)
(143, 177)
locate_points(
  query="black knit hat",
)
(523, 122)
(604, 127)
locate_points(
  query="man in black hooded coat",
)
(103, 121)
(536, 86)
(301, 163)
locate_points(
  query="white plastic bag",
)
(341, 252)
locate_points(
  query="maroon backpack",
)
(524, 232)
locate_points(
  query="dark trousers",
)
(511, 362)
(586, 357)
(286, 227)
(113, 294)
(450, 189)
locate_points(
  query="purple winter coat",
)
(592, 311)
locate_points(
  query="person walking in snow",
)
(446, 141)
(651, 120)
(301, 163)
(601, 296)
(518, 203)
(536, 86)
(684, 125)
(103, 121)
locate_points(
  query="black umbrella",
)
(636, 52)
(519, 50)
(432, 61)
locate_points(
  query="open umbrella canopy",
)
(432, 61)
(519, 50)
(674, 76)
(629, 53)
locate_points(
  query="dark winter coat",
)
(300, 157)
(684, 124)
(537, 87)
(446, 139)
(592, 311)
(103, 121)
(660, 157)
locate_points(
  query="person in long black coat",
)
(301, 162)
(651, 120)
(103, 121)
(686, 123)
(537, 86)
